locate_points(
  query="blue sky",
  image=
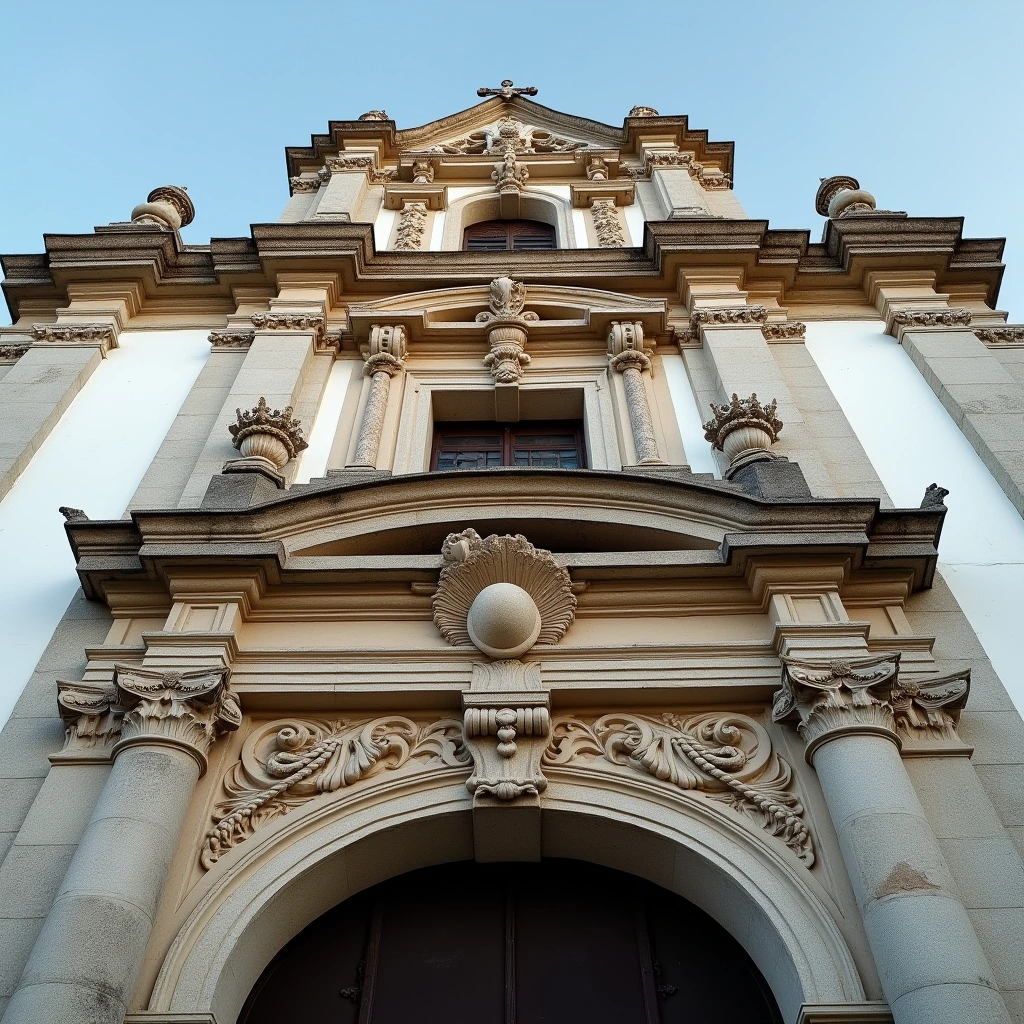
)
(103, 101)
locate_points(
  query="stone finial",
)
(187, 709)
(642, 111)
(375, 115)
(270, 434)
(743, 426)
(842, 195)
(831, 697)
(507, 90)
(73, 515)
(501, 594)
(934, 497)
(167, 207)
(507, 330)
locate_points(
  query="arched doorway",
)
(558, 941)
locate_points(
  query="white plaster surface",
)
(93, 459)
(382, 228)
(313, 461)
(699, 456)
(437, 231)
(912, 441)
(579, 229)
(635, 222)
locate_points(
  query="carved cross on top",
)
(507, 91)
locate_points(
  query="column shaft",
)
(640, 416)
(368, 442)
(88, 955)
(931, 964)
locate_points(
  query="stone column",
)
(87, 957)
(385, 356)
(627, 355)
(930, 962)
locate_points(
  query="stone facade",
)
(302, 662)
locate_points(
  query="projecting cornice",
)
(600, 524)
(171, 271)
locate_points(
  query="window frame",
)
(507, 433)
(513, 228)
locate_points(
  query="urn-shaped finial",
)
(744, 427)
(167, 207)
(270, 434)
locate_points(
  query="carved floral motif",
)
(231, 339)
(787, 330)
(946, 317)
(286, 763)
(74, 334)
(269, 433)
(507, 330)
(90, 715)
(1006, 334)
(278, 321)
(607, 226)
(929, 709)
(305, 184)
(12, 352)
(472, 563)
(508, 175)
(412, 223)
(727, 757)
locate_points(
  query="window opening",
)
(508, 235)
(464, 446)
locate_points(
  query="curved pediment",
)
(451, 313)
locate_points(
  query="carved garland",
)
(728, 757)
(412, 223)
(287, 763)
(606, 224)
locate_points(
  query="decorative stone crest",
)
(91, 718)
(787, 330)
(597, 169)
(231, 339)
(167, 207)
(934, 496)
(270, 434)
(828, 698)
(385, 354)
(508, 175)
(499, 621)
(1007, 334)
(186, 709)
(422, 172)
(507, 90)
(840, 196)
(412, 223)
(102, 336)
(727, 757)
(607, 226)
(507, 330)
(743, 427)
(286, 763)
(375, 115)
(641, 111)
(950, 316)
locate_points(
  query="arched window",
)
(504, 235)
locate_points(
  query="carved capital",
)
(287, 763)
(305, 184)
(91, 720)
(186, 709)
(928, 710)
(717, 756)
(710, 180)
(626, 345)
(10, 353)
(267, 433)
(725, 315)
(834, 698)
(742, 426)
(1007, 334)
(390, 341)
(102, 336)
(231, 339)
(787, 330)
(313, 323)
(945, 317)
(468, 602)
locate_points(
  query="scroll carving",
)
(90, 714)
(726, 757)
(929, 709)
(507, 330)
(286, 763)
(509, 766)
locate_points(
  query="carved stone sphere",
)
(503, 621)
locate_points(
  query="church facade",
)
(508, 619)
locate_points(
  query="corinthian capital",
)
(829, 698)
(90, 719)
(185, 709)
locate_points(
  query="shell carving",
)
(472, 563)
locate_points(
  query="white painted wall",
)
(313, 461)
(699, 456)
(93, 459)
(912, 441)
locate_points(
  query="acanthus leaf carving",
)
(607, 226)
(929, 709)
(231, 339)
(728, 757)
(1006, 334)
(950, 316)
(412, 223)
(286, 763)
(786, 330)
(90, 714)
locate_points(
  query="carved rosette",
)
(91, 718)
(412, 223)
(506, 744)
(472, 563)
(286, 763)
(725, 757)
(834, 698)
(507, 330)
(270, 434)
(607, 226)
(742, 427)
(185, 709)
(385, 354)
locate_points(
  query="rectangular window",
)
(555, 445)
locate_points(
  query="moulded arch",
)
(481, 206)
(255, 902)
